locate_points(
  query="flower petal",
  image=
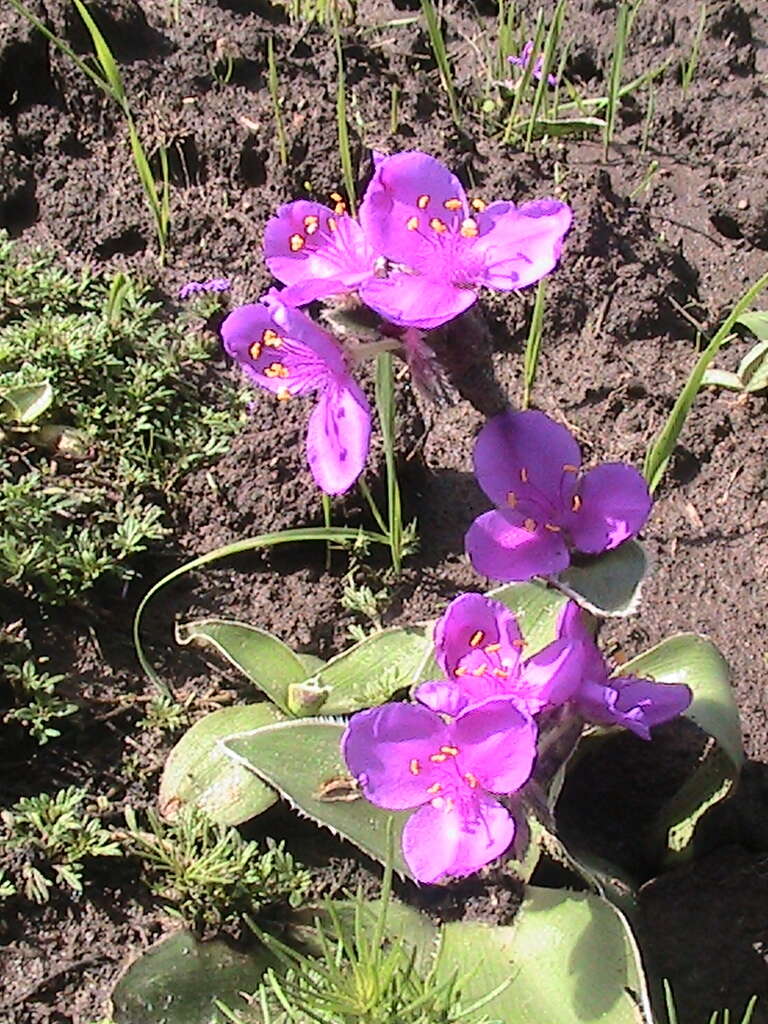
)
(500, 546)
(413, 300)
(527, 461)
(447, 696)
(407, 186)
(520, 244)
(388, 749)
(636, 704)
(456, 837)
(615, 504)
(315, 251)
(496, 743)
(338, 436)
(470, 625)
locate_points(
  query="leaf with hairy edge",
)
(370, 672)
(198, 771)
(536, 607)
(269, 663)
(568, 958)
(695, 661)
(608, 585)
(180, 978)
(302, 760)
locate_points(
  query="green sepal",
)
(200, 772)
(269, 663)
(608, 585)
(302, 760)
(180, 979)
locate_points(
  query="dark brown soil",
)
(616, 351)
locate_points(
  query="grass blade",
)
(542, 86)
(345, 154)
(533, 344)
(441, 57)
(107, 62)
(385, 405)
(660, 451)
(274, 92)
(614, 81)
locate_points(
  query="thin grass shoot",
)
(441, 57)
(274, 92)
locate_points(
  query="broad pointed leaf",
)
(568, 958)
(26, 402)
(198, 770)
(302, 760)
(757, 322)
(179, 980)
(269, 663)
(608, 585)
(536, 607)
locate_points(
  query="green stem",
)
(366, 493)
(385, 406)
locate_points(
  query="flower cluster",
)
(537, 71)
(417, 255)
(471, 736)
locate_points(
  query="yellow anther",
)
(336, 197)
(479, 671)
(449, 804)
(271, 338)
(524, 475)
(471, 780)
(570, 468)
(477, 638)
(412, 223)
(552, 527)
(460, 671)
(414, 767)
(452, 204)
(255, 350)
(492, 648)
(449, 751)
(520, 644)
(438, 758)
(311, 223)
(576, 503)
(434, 788)
(437, 225)
(340, 208)
(511, 499)
(469, 228)
(276, 370)
(283, 395)
(500, 673)
(478, 205)
(530, 525)
(332, 225)
(423, 202)
(296, 243)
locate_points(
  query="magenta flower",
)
(530, 467)
(285, 352)
(405, 755)
(442, 247)
(317, 251)
(479, 647)
(538, 68)
(635, 704)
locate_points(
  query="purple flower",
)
(317, 251)
(285, 352)
(525, 59)
(529, 466)
(214, 284)
(479, 647)
(405, 755)
(442, 247)
(635, 704)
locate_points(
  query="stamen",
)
(524, 475)
(449, 804)
(271, 338)
(530, 525)
(450, 751)
(478, 205)
(412, 223)
(477, 638)
(340, 208)
(437, 225)
(552, 527)
(469, 228)
(460, 671)
(414, 767)
(519, 644)
(569, 468)
(332, 225)
(276, 370)
(255, 350)
(452, 204)
(336, 197)
(423, 202)
(437, 803)
(471, 780)
(512, 499)
(500, 673)
(434, 788)
(311, 223)
(492, 648)
(576, 503)
(479, 671)
(283, 395)
(438, 758)
(296, 243)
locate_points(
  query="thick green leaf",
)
(757, 322)
(269, 663)
(608, 585)
(536, 607)
(722, 379)
(568, 958)
(695, 661)
(178, 980)
(753, 369)
(25, 403)
(370, 672)
(199, 771)
(302, 760)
